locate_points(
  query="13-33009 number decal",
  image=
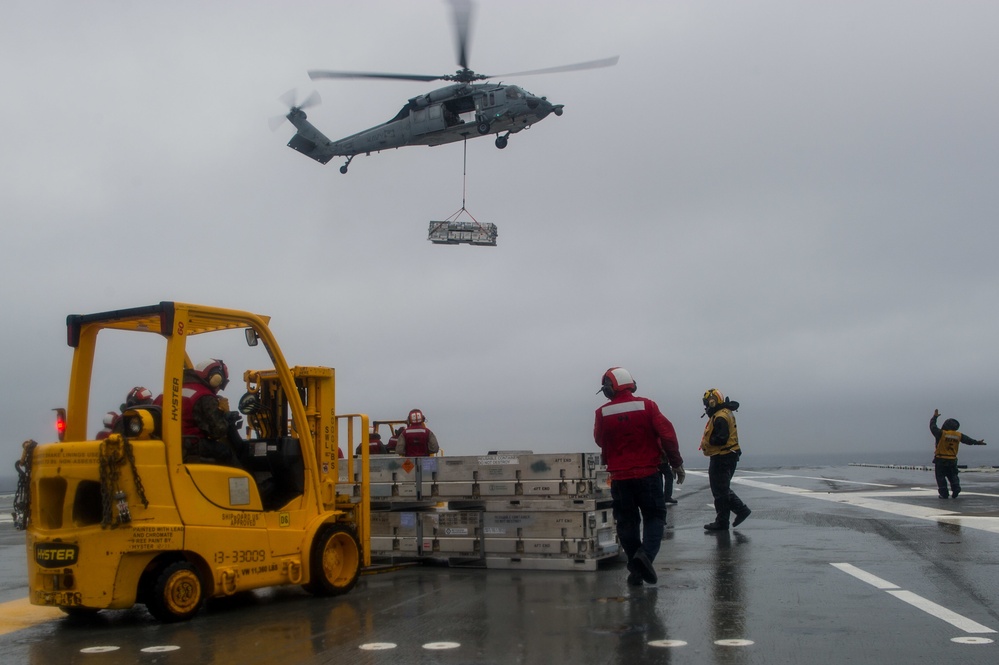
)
(240, 556)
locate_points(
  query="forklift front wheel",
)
(177, 593)
(336, 561)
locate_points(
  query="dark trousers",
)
(640, 513)
(668, 484)
(946, 470)
(721, 468)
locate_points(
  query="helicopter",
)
(469, 107)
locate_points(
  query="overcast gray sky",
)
(794, 202)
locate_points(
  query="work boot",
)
(954, 494)
(943, 495)
(741, 516)
(716, 526)
(643, 566)
(670, 499)
(634, 576)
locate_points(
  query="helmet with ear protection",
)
(415, 417)
(214, 373)
(137, 396)
(713, 398)
(615, 380)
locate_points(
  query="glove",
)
(235, 419)
(679, 474)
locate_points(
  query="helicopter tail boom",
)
(308, 140)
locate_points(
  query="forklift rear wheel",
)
(177, 593)
(336, 561)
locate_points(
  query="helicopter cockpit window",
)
(513, 92)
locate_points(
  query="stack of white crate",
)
(506, 510)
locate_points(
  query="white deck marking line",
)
(940, 612)
(865, 576)
(917, 601)
(867, 500)
(761, 474)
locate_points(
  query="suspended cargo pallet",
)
(456, 233)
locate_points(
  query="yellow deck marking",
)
(18, 614)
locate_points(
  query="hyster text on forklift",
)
(120, 520)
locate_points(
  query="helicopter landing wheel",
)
(343, 169)
(482, 127)
(501, 142)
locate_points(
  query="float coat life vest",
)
(628, 430)
(947, 445)
(417, 440)
(731, 444)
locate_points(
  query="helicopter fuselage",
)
(453, 113)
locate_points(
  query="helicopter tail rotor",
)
(289, 100)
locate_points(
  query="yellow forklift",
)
(115, 521)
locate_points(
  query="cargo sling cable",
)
(440, 232)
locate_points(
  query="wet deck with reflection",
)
(835, 565)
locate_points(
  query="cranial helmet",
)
(415, 417)
(214, 373)
(615, 380)
(951, 425)
(110, 418)
(136, 397)
(713, 398)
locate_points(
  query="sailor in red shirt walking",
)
(634, 437)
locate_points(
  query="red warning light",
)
(60, 423)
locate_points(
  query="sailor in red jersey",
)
(634, 437)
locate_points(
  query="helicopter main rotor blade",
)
(326, 74)
(462, 19)
(592, 64)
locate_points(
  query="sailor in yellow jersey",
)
(721, 444)
(945, 455)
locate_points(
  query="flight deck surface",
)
(835, 565)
